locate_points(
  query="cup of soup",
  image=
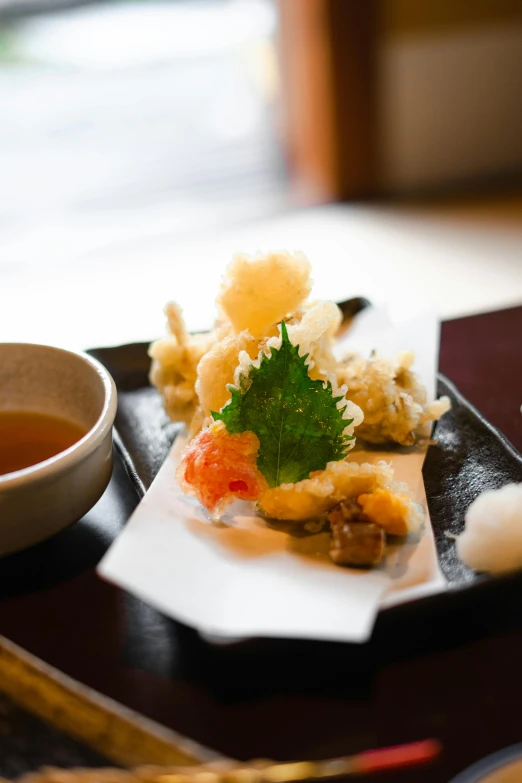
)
(57, 409)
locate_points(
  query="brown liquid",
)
(28, 438)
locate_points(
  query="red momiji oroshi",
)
(218, 468)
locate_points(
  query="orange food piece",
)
(218, 468)
(388, 510)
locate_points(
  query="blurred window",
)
(139, 105)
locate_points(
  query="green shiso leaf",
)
(299, 426)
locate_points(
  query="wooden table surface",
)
(465, 690)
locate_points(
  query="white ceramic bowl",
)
(40, 500)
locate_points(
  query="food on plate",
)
(492, 538)
(174, 366)
(273, 414)
(391, 509)
(255, 296)
(356, 540)
(219, 467)
(311, 497)
(391, 397)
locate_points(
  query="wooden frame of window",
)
(328, 50)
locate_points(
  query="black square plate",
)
(469, 456)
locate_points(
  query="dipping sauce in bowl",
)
(57, 409)
(28, 438)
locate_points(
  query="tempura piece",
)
(392, 510)
(174, 362)
(216, 369)
(218, 468)
(259, 291)
(356, 540)
(315, 496)
(393, 400)
(312, 329)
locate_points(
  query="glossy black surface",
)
(469, 457)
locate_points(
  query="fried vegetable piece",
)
(310, 498)
(391, 396)
(219, 468)
(259, 291)
(356, 540)
(175, 359)
(393, 511)
(216, 369)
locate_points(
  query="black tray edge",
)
(496, 433)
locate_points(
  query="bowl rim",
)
(495, 762)
(87, 444)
